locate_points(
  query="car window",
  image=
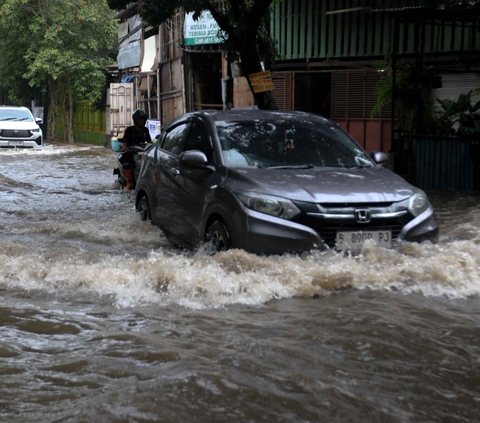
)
(285, 142)
(174, 140)
(197, 140)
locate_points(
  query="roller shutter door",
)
(455, 84)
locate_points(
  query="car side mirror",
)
(193, 159)
(39, 121)
(379, 157)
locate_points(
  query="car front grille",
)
(327, 225)
(15, 133)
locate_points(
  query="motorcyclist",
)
(135, 135)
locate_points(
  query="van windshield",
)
(288, 143)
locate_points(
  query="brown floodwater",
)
(102, 320)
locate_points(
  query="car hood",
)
(7, 124)
(324, 185)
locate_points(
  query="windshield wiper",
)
(8, 118)
(308, 166)
(359, 167)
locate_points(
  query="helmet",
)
(139, 113)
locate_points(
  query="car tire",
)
(219, 237)
(143, 208)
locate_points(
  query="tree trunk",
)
(66, 102)
(70, 110)
(52, 111)
(251, 63)
(265, 100)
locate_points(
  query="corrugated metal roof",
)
(129, 11)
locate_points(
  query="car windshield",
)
(288, 143)
(15, 115)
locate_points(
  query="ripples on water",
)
(103, 320)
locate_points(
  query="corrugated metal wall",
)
(304, 30)
(445, 163)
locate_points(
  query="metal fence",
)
(440, 163)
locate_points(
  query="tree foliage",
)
(411, 83)
(62, 44)
(244, 21)
(455, 116)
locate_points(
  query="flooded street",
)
(102, 320)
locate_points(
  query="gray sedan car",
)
(275, 182)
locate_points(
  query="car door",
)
(194, 185)
(166, 173)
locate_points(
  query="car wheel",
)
(219, 237)
(143, 209)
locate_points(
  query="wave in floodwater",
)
(132, 262)
(202, 280)
(47, 150)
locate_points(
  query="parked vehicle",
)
(275, 182)
(138, 157)
(19, 129)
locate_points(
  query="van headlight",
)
(418, 203)
(269, 204)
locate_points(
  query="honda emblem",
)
(362, 216)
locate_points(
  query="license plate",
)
(354, 240)
(15, 143)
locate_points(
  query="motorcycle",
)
(139, 152)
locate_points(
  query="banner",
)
(204, 30)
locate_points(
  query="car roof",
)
(246, 115)
(258, 114)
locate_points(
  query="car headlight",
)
(418, 203)
(269, 204)
(35, 130)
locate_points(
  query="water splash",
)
(202, 280)
(47, 150)
(70, 244)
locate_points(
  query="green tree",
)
(411, 83)
(245, 23)
(62, 44)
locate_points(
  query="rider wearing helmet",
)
(136, 134)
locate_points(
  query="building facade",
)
(330, 55)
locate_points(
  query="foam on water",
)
(202, 280)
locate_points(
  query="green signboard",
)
(204, 30)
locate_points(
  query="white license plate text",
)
(354, 240)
